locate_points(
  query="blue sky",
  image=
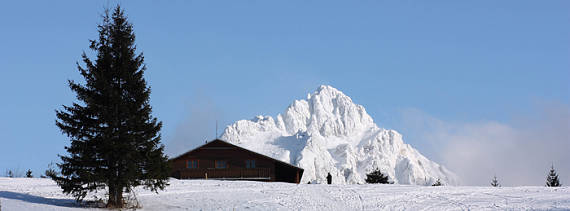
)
(458, 62)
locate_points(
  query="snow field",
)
(44, 194)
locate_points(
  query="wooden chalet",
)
(221, 160)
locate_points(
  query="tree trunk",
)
(115, 197)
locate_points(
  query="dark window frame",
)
(217, 164)
(193, 164)
(250, 164)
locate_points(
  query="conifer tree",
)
(29, 173)
(376, 177)
(495, 182)
(437, 183)
(50, 171)
(552, 178)
(115, 141)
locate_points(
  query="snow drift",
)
(327, 132)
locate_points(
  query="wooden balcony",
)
(230, 173)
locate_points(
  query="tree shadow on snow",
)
(38, 199)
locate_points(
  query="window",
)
(221, 164)
(192, 164)
(250, 164)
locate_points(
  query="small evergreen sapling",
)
(495, 182)
(552, 178)
(14, 173)
(437, 183)
(50, 171)
(377, 177)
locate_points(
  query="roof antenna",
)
(216, 129)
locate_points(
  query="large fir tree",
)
(552, 178)
(115, 141)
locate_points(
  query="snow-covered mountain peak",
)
(327, 112)
(327, 90)
(328, 133)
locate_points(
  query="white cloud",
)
(519, 152)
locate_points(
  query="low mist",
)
(519, 153)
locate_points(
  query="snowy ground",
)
(43, 194)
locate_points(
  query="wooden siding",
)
(235, 157)
(230, 173)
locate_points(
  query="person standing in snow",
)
(329, 179)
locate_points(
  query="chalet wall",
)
(208, 154)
